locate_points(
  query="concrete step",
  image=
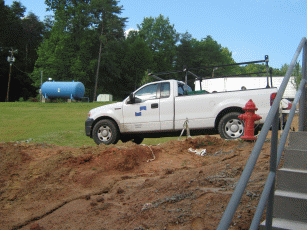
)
(282, 224)
(292, 180)
(290, 199)
(298, 140)
(295, 159)
(290, 206)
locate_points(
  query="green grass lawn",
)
(51, 123)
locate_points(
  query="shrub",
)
(31, 99)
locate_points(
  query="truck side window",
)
(165, 90)
(181, 89)
(147, 93)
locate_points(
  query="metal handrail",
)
(242, 183)
(271, 177)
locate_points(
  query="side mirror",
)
(132, 98)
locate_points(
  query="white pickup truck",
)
(161, 108)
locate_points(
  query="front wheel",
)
(105, 132)
(230, 126)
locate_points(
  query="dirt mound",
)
(176, 185)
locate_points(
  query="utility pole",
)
(40, 90)
(10, 59)
(100, 48)
(98, 65)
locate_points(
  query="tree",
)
(210, 53)
(123, 65)
(79, 28)
(297, 73)
(198, 55)
(138, 59)
(14, 35)
(185, 52)
(18, 9)
(65, 53)
(254, 69)
(55, 57)
(161, 37)
(10, 27)
(111, 27)
(33, 30)
(284, 68)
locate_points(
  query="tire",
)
(257, 129)
(230, 126)
(105, 132)
(138, 140)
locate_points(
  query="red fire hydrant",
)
(249, 117)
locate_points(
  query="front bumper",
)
(88, 126)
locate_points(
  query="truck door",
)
(144, 113)
(167, 105)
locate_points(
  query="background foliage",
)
(85, 41)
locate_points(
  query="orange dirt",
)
(127, 186)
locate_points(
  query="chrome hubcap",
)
(104, 133)
(234, 128)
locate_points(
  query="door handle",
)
(154, 106)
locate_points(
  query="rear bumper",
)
(88, 126)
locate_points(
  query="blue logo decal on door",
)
(140, 113)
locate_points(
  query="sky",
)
(250, 29)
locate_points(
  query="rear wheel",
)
(230, 126)
(105, 132)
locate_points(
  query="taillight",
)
(273, 95)
(289, 105)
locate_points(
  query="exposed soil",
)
(127, 186)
